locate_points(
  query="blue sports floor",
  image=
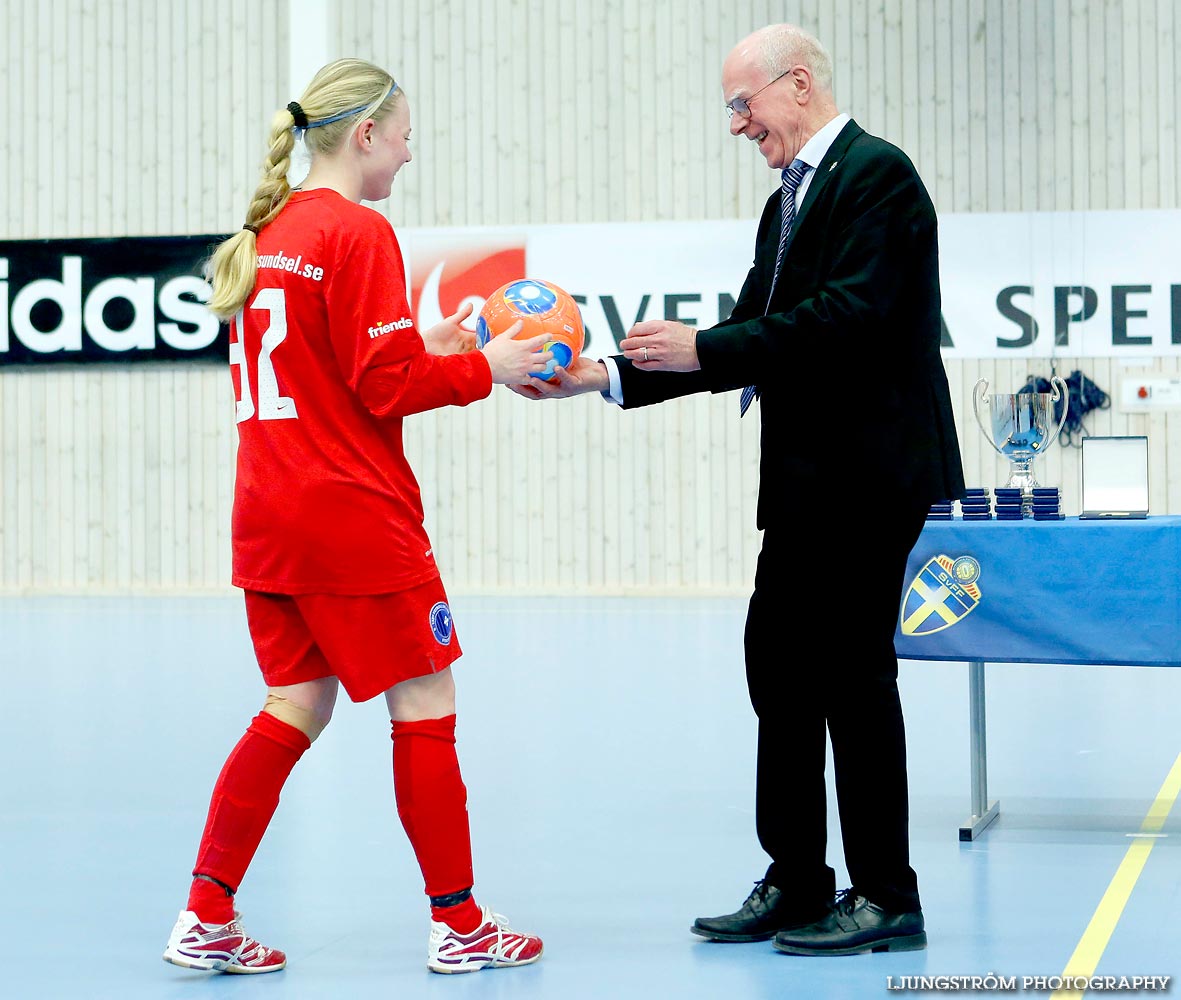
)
(608, 750)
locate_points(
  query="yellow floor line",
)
(1090, 948)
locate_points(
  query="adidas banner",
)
(127, 300)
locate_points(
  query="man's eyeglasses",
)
(741, 105)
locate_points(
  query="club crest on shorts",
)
(441, 625)
(942, 593)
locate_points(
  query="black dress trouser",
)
(832, 586)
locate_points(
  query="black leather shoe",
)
(765, 911)
(855, 925)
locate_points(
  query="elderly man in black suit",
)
(838, 327)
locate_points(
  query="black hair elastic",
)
(253, 229)
(297, 114)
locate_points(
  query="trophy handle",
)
(980, 395)
(1059, 391)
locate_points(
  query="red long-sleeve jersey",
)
(326, 362)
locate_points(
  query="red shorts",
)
(370, 643)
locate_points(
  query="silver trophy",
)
(1022, 427)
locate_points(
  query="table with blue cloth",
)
(1064, 591)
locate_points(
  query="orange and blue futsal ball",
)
(544, 308)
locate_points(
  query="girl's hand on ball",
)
(514, 362)
(530, 307)
(450, 337)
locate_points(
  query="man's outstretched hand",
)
(583, 375)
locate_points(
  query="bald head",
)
(776, 48)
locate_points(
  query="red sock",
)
(464, 917)
(243, 802)
(432, 804)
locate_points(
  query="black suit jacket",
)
(854, 395)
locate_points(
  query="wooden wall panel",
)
(144, 118)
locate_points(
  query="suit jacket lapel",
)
(828, 166)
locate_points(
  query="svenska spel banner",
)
(1015, 284)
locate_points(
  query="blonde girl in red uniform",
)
(340, 582)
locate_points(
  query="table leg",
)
(983, 812)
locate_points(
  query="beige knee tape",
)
(303, 719)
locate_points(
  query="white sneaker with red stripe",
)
(219, 947)
(492, 945)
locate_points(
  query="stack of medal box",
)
(1009, 503)
(940, 511)
(1046, 503)
(976, 505)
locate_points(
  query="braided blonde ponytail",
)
(346, 91)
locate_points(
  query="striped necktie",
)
(787, 210)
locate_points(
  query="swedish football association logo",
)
(942, 593)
